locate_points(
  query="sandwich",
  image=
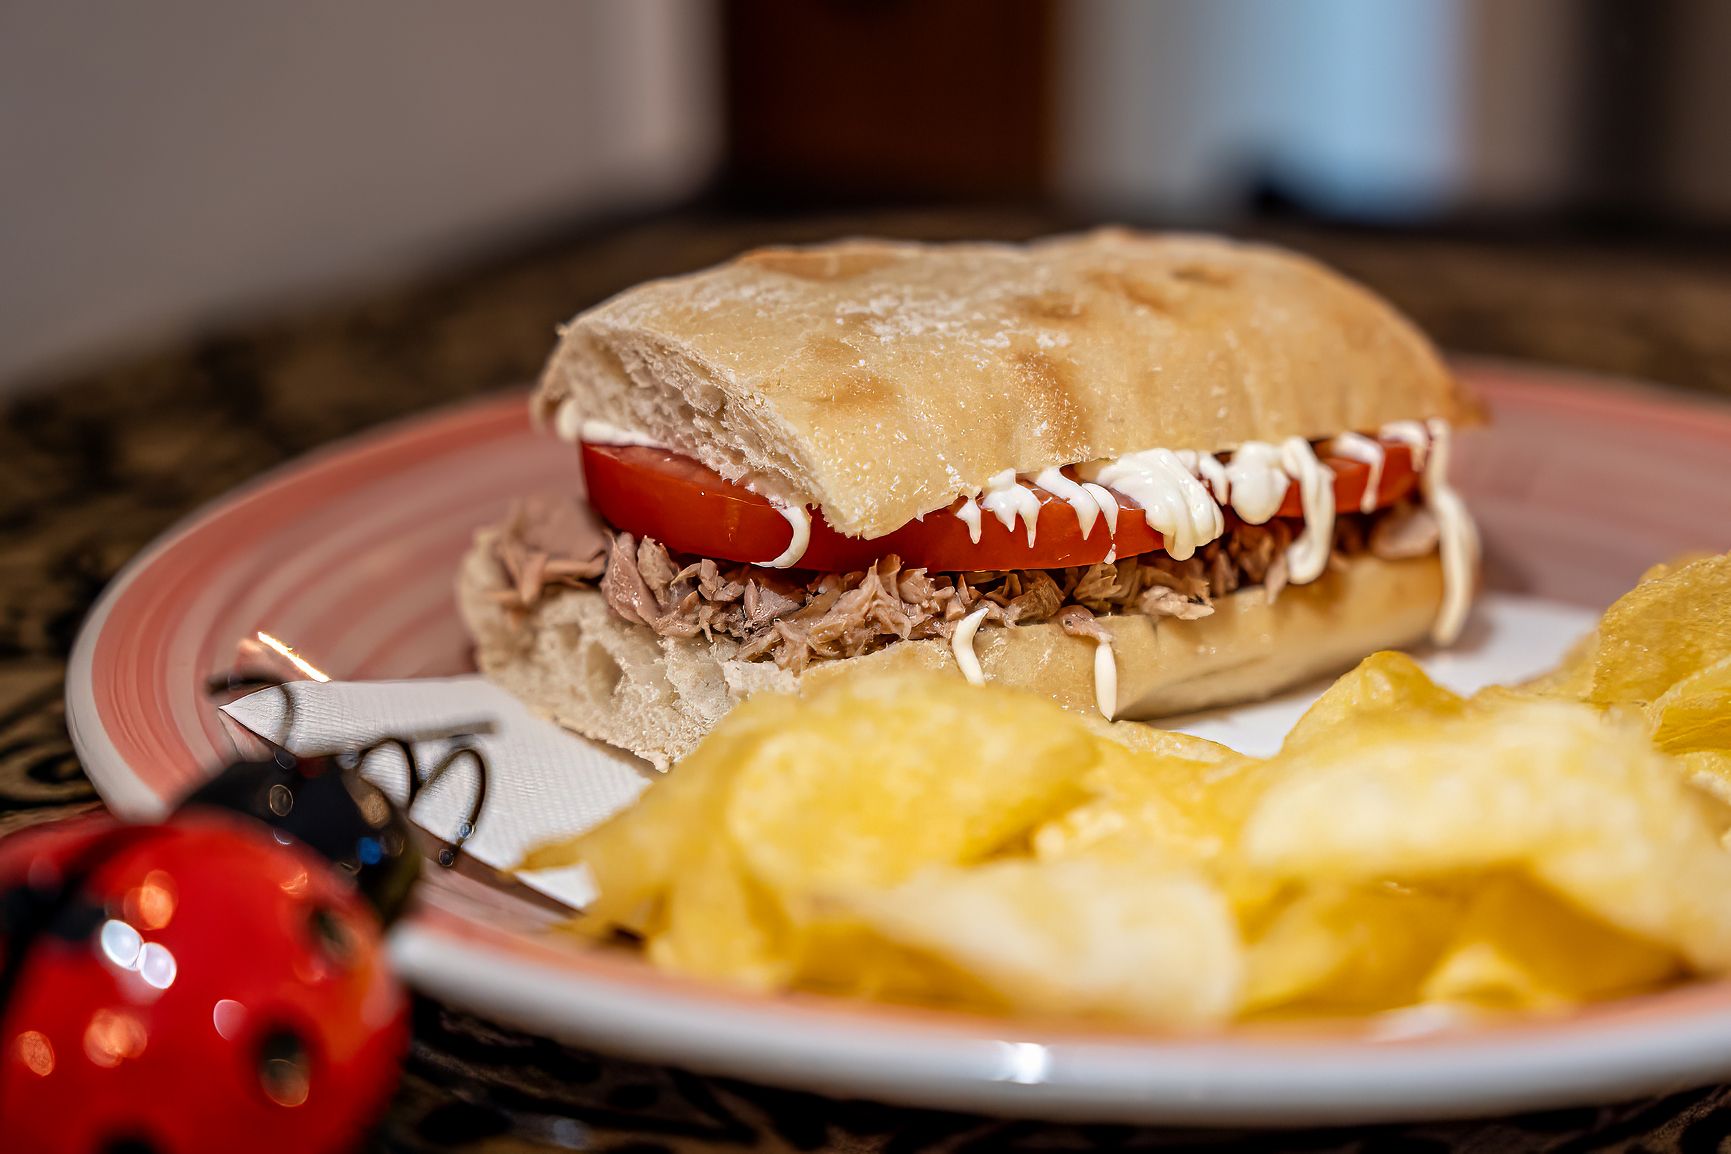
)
(1141, 474)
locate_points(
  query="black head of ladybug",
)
(336, 813)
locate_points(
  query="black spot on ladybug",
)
(131, 1144)
(21, 908)
(284, 1067)
(331, 936)
(77, 920)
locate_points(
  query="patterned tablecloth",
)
(91, 469)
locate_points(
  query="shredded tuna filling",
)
(547, 544)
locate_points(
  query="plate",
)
(348, 555)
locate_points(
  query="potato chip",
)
(1189, 809)
(635, 855)
(1495, 697)
(906, 836)
(1708, 770)
(1520, 947)
(718, 923)
(1123, 809)
(1666, 568)
(879, 777)
(1142, 738)
(1086, 936)
(1695, 713)
(1153, 785)
(1662, 631)
(1348, 948)
(1583, 805)
(1571, 680)
(1384, 687)
(836, 953)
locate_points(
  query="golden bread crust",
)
(880, 380)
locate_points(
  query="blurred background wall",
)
(1361, 108)
(177, 164)
(180, 165)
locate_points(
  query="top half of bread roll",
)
(879, 380)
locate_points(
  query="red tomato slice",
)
(689, 508)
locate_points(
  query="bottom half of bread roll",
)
(576, 659)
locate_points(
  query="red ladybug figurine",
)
(203, 985)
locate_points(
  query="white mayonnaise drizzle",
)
(969, 515)
(962, 645)
(1105, 679)
(570, 426)
(1006, 499)
(1175, 504)
(1208, 468)
(1307, 556)
(1078, 497)
(568, 421)
(1354, 447)
(799, 517)
(1413, 435)
(1108, 505)
(1108, 509)
(1182, 494)
(1458, 536)
(1257, 481)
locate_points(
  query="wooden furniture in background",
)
(860, 100)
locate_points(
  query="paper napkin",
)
(544, 782)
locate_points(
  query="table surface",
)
(93, 468)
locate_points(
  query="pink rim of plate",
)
(348, 555)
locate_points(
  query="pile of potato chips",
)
(916, 838)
